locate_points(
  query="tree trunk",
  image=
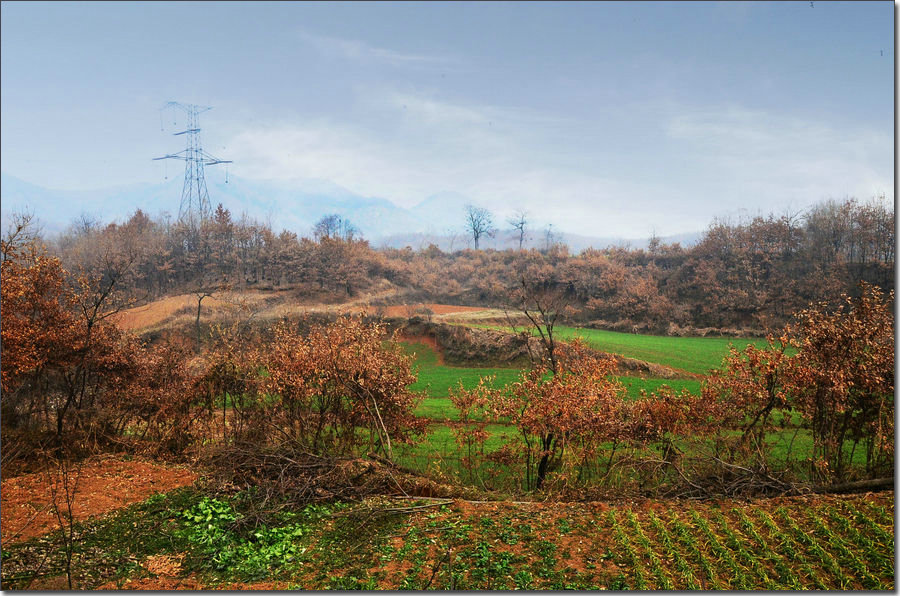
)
(197, 322)
(544, 463)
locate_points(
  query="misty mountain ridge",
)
(297, 206)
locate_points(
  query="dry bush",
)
(842, 381)
(305, 406)
(563, 417)
(839, 379)
(339, 387)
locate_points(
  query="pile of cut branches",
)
(283, 474)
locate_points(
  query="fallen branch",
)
(411, 509)
(857, 486)
(446, 557)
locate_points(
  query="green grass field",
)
(436, 380)
(634, 385)
(441, 408)
(691, 354)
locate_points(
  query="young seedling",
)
(814, 549)
(748, 558)
(884, 517)
(847, 557)
(672, 552)
(689, 541)
(785, 574)
(884, 537)
(740, 581)
(631, 557)
(662, 580)
(870, 549)
(791, 549)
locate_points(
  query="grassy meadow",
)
(696, 355)
(436, 380)
(439, 451)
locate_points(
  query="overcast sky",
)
(620, 118)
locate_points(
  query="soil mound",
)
(465, 346)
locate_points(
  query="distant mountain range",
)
(438, 219)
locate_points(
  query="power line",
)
(195, 206)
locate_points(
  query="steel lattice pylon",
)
(195, 207)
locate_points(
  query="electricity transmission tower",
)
(195, 207)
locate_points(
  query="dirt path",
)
(184, 307)
(103, 485)
(423, 309)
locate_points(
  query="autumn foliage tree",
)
(842, 380)
(835, 368)
(39, 332)
(575, 408)
(750, 391)
(165, 397)
(339, 387)
(570, 410)
(66, 369)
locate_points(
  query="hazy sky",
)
(621, 118)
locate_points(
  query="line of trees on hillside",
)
(748, 274)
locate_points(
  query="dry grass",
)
(182, 309)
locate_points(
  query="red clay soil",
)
(408, 310)
(428, 340)
(103, 485)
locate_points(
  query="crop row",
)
(747, 548)
(824, 544)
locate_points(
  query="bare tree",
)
(549, 238)
(335, 227)
(84, 224)
(479, 222)
(21, 230)
(63, 475)
(453, 236)
(518, 221)
(543, 302)
(200, 292)
(654, 243)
